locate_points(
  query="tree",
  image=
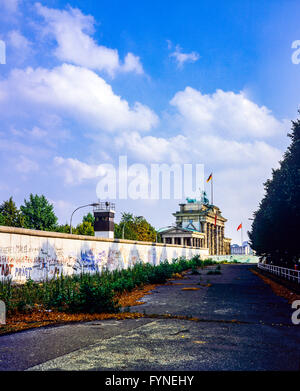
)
(10, 214)
(63, 228)
(85, 228)
(38, 213)
(90, 218)
(274, 232)
(2, 219)
(135, 228)
(126, 226)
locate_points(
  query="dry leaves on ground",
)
(278, 289)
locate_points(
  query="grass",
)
(90, 293)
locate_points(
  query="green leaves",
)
(85, 228)
(275, 228)
(38, 213)
(135, 228)
(90, 293)
(10, 215)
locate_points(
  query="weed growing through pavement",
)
(90, 293)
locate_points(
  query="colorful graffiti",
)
(29, 256)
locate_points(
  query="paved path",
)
(263, 338)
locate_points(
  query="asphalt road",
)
(243, 326)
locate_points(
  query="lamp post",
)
(79, 207)
(123, 229)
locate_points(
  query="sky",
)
(169, 82)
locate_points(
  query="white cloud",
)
(20, 46)
(227, 132)
(18, 41)
(209, 150)
(132, 64)
(75, 172)
(181, 57)
(77, 93)
(72, 30)
(224, 113)
(26, 165)
(151, 148)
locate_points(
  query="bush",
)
(94, 298)
(91, 293)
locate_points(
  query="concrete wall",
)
(232, 257)
(39, 255)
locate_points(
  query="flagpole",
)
(242, 236)
(211, 190)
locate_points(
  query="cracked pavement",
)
(242, 325)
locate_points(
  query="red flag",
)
(239, 227)
(215, 219)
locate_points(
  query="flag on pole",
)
(209, 178)
(239, 227)
(215, 219)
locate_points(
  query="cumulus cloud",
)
(72, 31)
(227, 132)
(75, 172)
(18, 40)
(209, 150)
(21, 46)
(78, 93)
(227, 114)
(223, 128)
(181, 57)
(151, 148)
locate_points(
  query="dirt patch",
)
(278, 289)
(129, 299)
(40, 317)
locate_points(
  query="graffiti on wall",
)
(25, 256)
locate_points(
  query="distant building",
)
(199, 224)
(245, 249)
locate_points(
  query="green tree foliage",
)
(10, 215)
(275, 229)
(2, 219)
(63, 228)
(85, 228)
(135, 228)
(89, 217)
(38, 213)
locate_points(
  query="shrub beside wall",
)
(90, 293)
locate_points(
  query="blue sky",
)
(160, 82)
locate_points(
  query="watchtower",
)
(104, 214)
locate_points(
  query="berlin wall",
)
(40, 255)
(240, 258)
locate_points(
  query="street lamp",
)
(79, 207)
